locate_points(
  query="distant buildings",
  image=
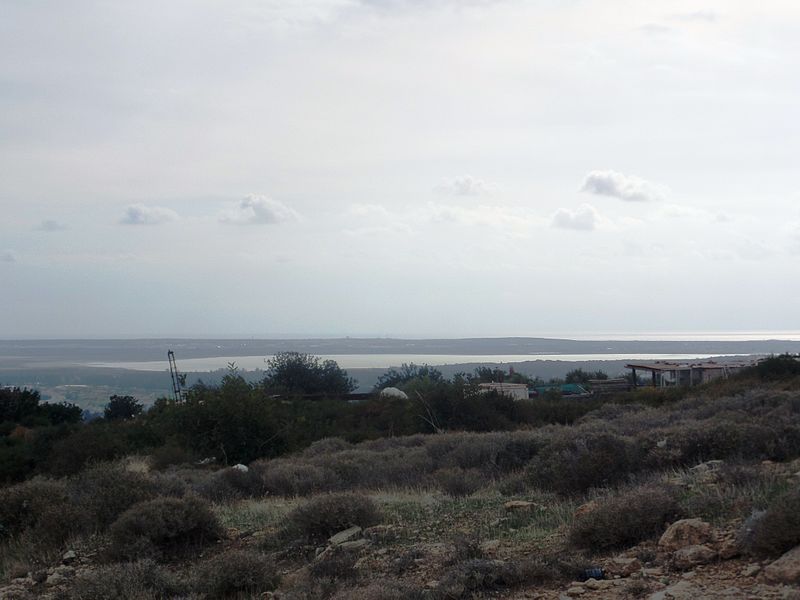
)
(667, 374)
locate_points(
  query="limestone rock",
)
(751, 570)
(786, 569)
(519, 506)
(683, 533)
(597, 584)
(691, 556)
(576, 590)
(354, 544)
(345, 536)
(624, 567)
(585, 508)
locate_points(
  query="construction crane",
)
(177, 378)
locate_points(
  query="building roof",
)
(660, 365)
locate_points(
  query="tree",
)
(120, 408)
(406, 373)
(297, 373)
(581, 376)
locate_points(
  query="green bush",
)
(625, 519)
(777, 529)
(236, 572)
(163, 527)
(321, 517)
(141, 580)
(779, 367)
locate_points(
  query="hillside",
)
(659, 496)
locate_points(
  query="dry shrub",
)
(519, 449)
(163, 527)
(41, 508)
(237, 572)
(625, 519)
(170, 455)
(141, 580)
(362, 468)
(476, 575)
(476, 450)
(290, 477)
(386, 589)
(325, 446)
(575, 462)
(321, 517)
(513, 484)
(637, 588)
(691, 443)
(230, 484)
(459, 483)
(105, 490)
(335, 565)
(777, 529)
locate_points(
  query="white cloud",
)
(256, 209)
(8, 256)
(585, 218)
(618, 185)
(698, 16)
(141, 214)
(50, 225)
(466, 185)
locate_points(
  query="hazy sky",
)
(398, 167)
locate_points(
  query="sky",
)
(398, 168)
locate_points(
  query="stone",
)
(751, 570)
(683, 590)
(786, 569)
(354, 544)
(691, 556)
(240, 467)
(576, 590)
(56, 579)
(519, 506)
(585, 508)
(345, 536)
(624, 567)
(709, 465)
(683, 533)
(728, 548)
(69, 557)
(597, 584)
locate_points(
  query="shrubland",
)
(443, 509)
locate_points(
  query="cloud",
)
(8, 256)
(51, 225)
(255, 209)
(585, 218)
(140, 214)
(624, 187)
(698, 16)
(466, 185)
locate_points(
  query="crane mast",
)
(176, 378)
